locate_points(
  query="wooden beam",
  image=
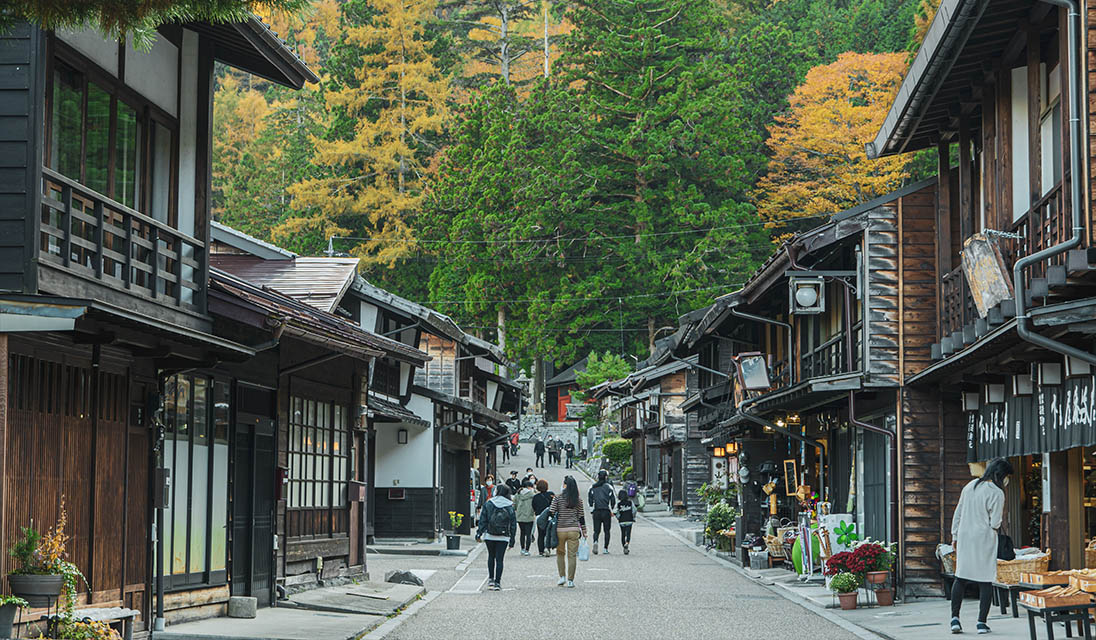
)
(966, 187)
(989, 156)
(943, 223)
(1015, 45)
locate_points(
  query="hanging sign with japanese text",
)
(1051, 418)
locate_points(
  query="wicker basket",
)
(775, 546)
(1090, 558)
(1009, 572)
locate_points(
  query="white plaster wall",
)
(421, 406)
(492, 392)
(368, 317)
(1021, 198)
(188, 131)
(153, 74)
(404, 465)
(94, 45)
(405, 377)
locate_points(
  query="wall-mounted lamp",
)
(1049, 373)
(732, 448)
(719, 452)
(1021, 384)
(753, 371)
(970, 402)
(1076, 367)
(995, 393)
(807, 294)
(401, 436)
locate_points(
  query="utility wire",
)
(584, 299)
(630, 236)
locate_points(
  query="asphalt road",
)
(663, 589)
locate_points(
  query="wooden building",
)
(106, 339)
(1009, 367)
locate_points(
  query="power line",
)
(630, 236)
(584, 299)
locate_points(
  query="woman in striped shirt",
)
(570, 526)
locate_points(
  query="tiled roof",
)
(320, 282)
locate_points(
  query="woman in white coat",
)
(974, 534)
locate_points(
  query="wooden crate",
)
(1043, 602)
(1084, 583)
(1047, 579)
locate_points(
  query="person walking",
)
(505, 452)
(626, 516)
(570, 527)
(570, 449)
(523, 506)
(602, 499)
(513, 482)
(551, 450)
(486, 492)
(514, 443)
(974, 535)
(497, 525)
(538, 449)
(559, 451)
(541, 501)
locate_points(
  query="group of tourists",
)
(509, 512)
(556, 449)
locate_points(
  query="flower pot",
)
(7, 619)
(452, 541)
(885, 597)
(876, 577)
(848, 600)
(38, 591)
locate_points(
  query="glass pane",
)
(126, 143)
(182, 407)
(199, 494)
(218, 526)
(67, 123)
(168, 512)
(169, 403)
(221, 412)
(180, 480)
(98, 139)
(160, 195)
(201, 410)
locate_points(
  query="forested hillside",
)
(571, 175)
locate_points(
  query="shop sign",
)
(1051, 418)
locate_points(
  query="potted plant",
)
(42, 573)
(719, 524)
(452, 539)
(876, 559)
(9, 607)
(845, 585)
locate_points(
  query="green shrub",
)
(845, 582)
(617, 451)
(720, 516)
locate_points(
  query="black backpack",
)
(498, 521)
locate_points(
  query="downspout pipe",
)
(1023, 329)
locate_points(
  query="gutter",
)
(1077, 169)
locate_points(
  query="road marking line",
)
(537, 576)
(605, 581)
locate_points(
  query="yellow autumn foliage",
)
(818, 162)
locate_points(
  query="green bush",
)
(617, 451)
(845, 582)
(720, 516)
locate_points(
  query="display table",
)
(1077, 612)
(1007, 594)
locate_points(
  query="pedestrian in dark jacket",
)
(498, 524)
(541, 501)
(513, 482)
(602, 499)
(570, 449)
(626, 516)
(538, 449)
(486, 492)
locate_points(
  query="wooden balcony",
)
(85, 233)
(829, 358)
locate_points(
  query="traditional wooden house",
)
(559, 390)
(1002, 90)
(104, 323)
(800, 369)
(424, 436)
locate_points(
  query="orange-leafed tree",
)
(396, 105)
(818, 163)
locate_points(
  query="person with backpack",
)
(523, 505)
(497, 526)
(541, 501)
(626, 517)
(570, 527)
(602, 499)
(538, 449)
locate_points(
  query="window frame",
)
(147, 113)
(314, 486)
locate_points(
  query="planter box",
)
(38, 591)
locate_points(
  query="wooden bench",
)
(111, 616)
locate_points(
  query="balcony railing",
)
(829, 358)
(1044, 225)
(87, 233)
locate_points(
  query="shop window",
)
(319, 468)
(196, 453)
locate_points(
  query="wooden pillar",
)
(1003, 217)
(4, 385)
(1057, 521)
(989, 157)
(966, 182)
(1034, 110)
(943, 225)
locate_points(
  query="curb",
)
(851, 627)
(393, 623)
(472, 555)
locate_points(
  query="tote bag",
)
(583, 550)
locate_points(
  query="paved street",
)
(616, 596)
